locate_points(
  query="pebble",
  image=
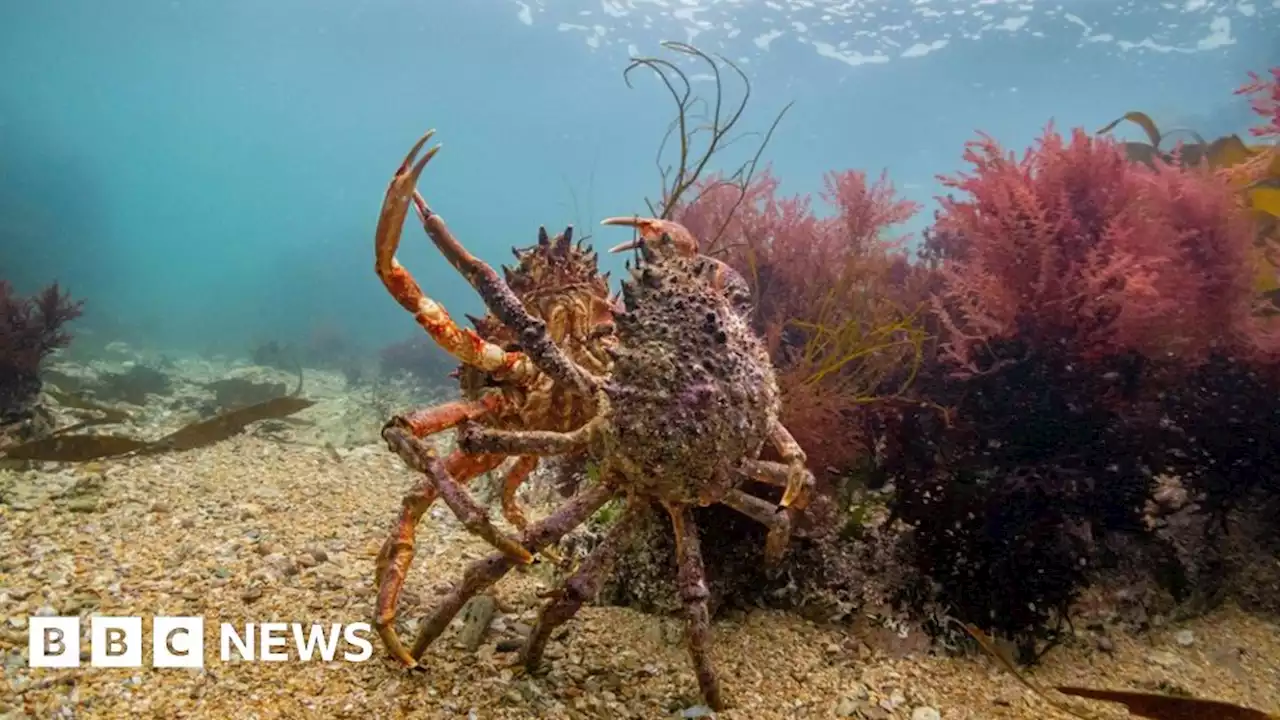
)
(847, 707)
(1185, 638)
(281, 564)
(926, 713)
(895, 699)
(1163, 658)
(477, 614)
(1105, 644)
(83, 504)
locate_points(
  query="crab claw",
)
(651, 229)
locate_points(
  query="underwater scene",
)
(632, 359)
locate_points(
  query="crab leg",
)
(396, 553)
(692, 585)
(780, 475)
(488, 570)
(582, 586)
(514, 479)
(422, 457)
(765, 513)
(497, 295)
(463, 343)
(438, 418)
(653, 232)
(800, 481)
(476, 439)
(649, 230)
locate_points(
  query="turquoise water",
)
(207, 173)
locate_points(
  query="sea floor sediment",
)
(251, 530)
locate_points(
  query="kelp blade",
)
(74, 448)
(1265, 199)
(989, 645)
(1140, 119)
(1168, 707)
(1227, 151)
(227, 425)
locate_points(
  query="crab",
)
(678, 416)
(556, 280)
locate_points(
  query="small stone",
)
(847, 707)
(318, 553)
(266, 547)
(833, 649)
(508, 645)
(83, 504)
(476, 616)
(1163, 658)
(306, 560)
(925, 713)
(697, 711)
(251, 594)
(161, 507)
(248, 511)
(1185, 638)
(281, 564)
(1105, 644)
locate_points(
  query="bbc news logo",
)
(178, 642)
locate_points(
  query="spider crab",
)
(678, 415)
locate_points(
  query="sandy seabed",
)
(251, 530)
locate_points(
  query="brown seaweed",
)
(1141, 704)
(63, 447)
(227, 425)
(1226, 151)
(74, 448)
(1168, 707)
(989, 645)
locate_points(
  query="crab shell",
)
(692, 388)
(560, 282)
